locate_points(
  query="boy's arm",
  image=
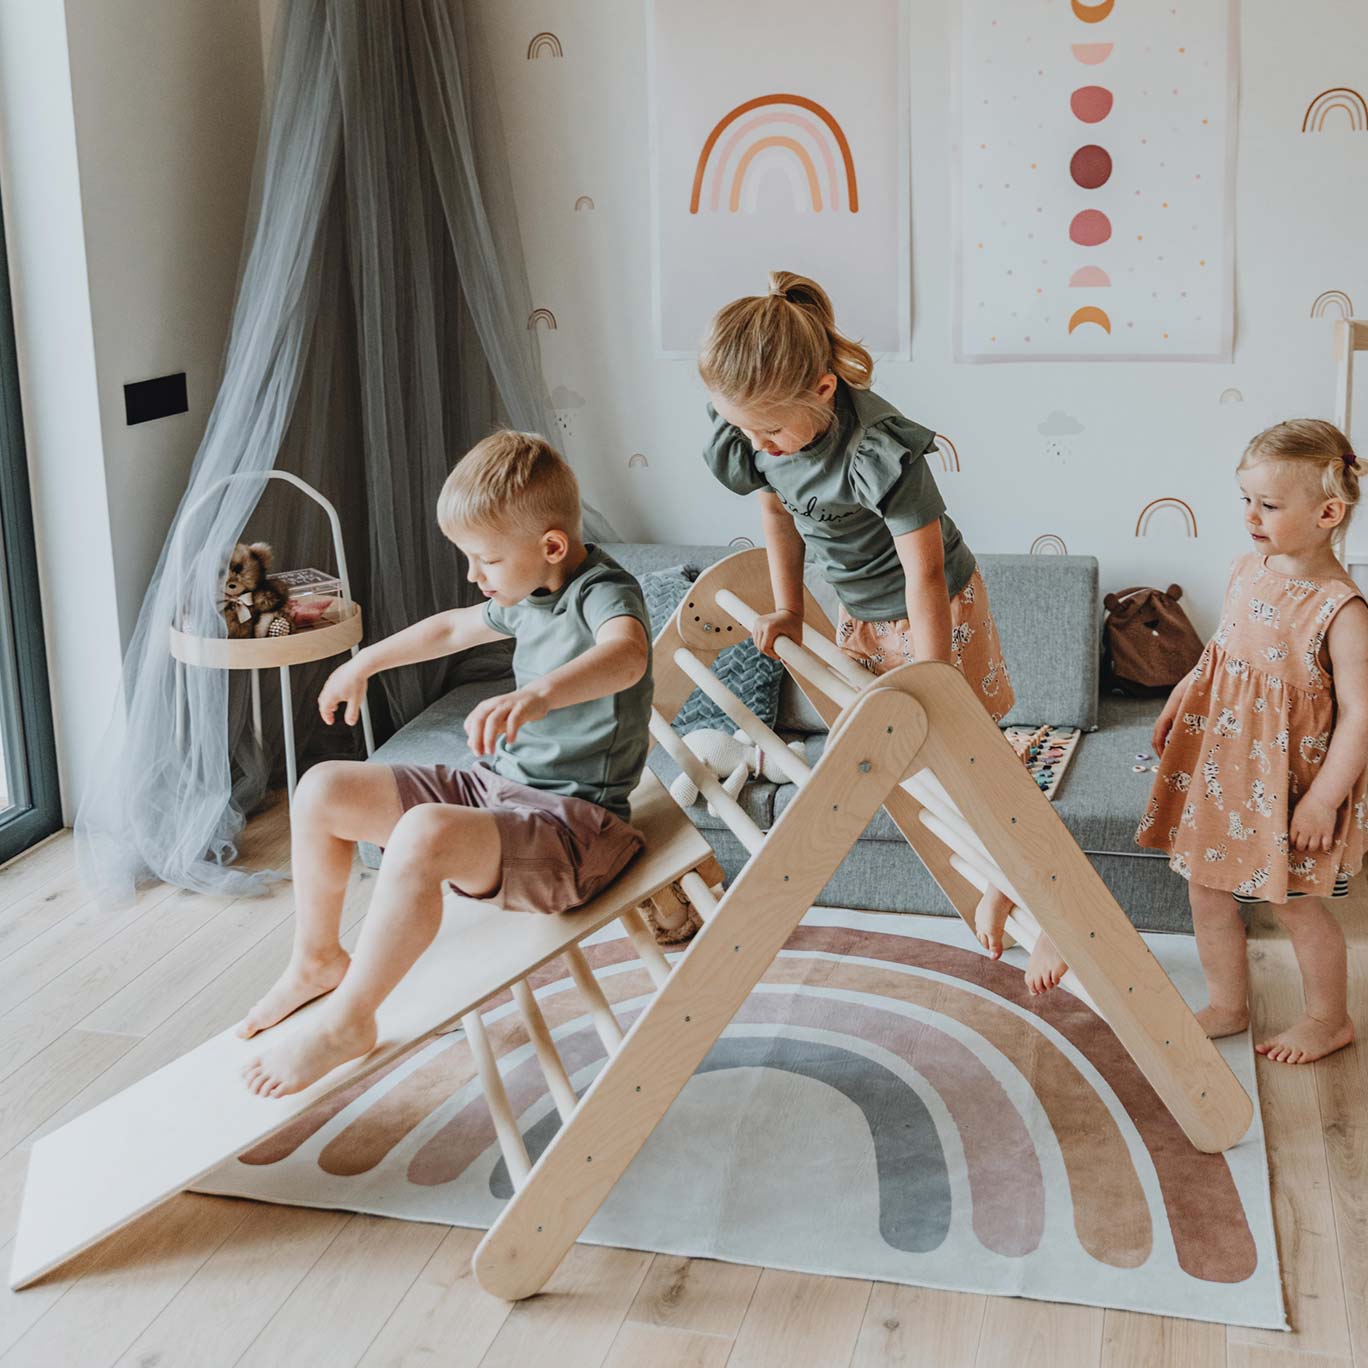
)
(617, 660)
(1313, 818)
(442, 634)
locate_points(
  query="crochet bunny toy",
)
(733, 759)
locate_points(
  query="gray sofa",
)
(1048, 611)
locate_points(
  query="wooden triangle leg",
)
(882, 734)
(1024, 836)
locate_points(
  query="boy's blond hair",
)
(767, 352)
(513, 481)
(1318, 448)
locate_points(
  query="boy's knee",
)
(419, 835)
(322, 781)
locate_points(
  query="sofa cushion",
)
(1048, 614)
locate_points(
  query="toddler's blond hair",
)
(767, 352)
(1318, 448)
(514, 481)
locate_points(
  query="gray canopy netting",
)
(380, 330)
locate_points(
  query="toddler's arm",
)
(442, 634)
(922, 554)
(1314, 817)
(784, 550)
(1164, 724)
(617, 660)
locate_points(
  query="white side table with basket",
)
(279, 652)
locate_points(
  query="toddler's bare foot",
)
(300, 983)
(990, 920)
(294, 1064)
(1223, 1021)
(1306, 1041)
(1045, 967)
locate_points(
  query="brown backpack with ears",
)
(1148, 643)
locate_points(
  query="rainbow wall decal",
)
(949, 454)
(584, 202)
(544, 43)
(542, 318)
(1332, 304)
(637, 461)
(1047, 544)
(1337, 98)
(796, 133)
(1231, 396)
(1147, 513)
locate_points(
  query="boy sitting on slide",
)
(540, 823)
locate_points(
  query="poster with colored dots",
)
(780, 140)
(1095, 165)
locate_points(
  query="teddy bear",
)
(733, 759)
(253, 603)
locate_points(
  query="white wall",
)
(578, 126)
(167, 99)
(127, 132)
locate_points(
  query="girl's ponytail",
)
(848, 360)
(769, 351)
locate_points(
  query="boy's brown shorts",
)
(558, 851)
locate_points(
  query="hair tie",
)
(1349, 459)
(776, 290)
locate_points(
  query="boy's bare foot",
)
(300, 983)
(294, 1064)
(1223, 1021)
(990, 920)
(1045, 967)
(1307, 1041)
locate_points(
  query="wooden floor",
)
(91, 1000)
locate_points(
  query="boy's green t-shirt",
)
(864, 481)
(596, 749)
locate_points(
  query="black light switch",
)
(159, 398)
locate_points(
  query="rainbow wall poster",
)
(803, 167)
(1095, 181)
(792, 131)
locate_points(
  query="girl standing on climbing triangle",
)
(1260, 791)
(841, 472)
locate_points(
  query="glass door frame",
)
(25, 701)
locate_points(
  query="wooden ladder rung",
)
(795, 768)
(553, 1069)
(703, 898)
(738, 820)
(505, 1123)
(801, 660)
(605, 1023)
(644, 943)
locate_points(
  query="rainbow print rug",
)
(887, 1104)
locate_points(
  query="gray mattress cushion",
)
(1100, 798)
(1046, 608)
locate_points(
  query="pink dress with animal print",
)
(1249, 738)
